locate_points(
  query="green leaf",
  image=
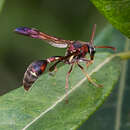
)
(115, 110)
(44, 107)
(124, 55)
(117, 12)
(1, 4)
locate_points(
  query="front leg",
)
(88, 77)
(88, 62)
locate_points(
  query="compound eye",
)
(92, 50)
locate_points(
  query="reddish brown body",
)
(75, 53)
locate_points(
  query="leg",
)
(88, 62)
(56, 58)
(67, 81)
(53, 67)
(88, 77)
(53, 59)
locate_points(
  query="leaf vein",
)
(69, 92)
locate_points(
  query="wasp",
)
(75, 53)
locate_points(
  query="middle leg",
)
(88, 62)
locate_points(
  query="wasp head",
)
(91, 50)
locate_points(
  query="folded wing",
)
(34, 33)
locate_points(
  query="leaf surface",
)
(1, 4)
(117, 13)
(44, 107)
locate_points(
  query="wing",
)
(34, 33)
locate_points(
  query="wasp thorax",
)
(32, 73)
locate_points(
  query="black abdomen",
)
(32, 73)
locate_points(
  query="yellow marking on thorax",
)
(71, 58)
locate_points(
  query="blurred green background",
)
(72, 20)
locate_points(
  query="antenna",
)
(93, 34)
(113, 48)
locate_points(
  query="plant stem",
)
(121, 90)
(124, 55)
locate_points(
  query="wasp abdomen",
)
(32, 73)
